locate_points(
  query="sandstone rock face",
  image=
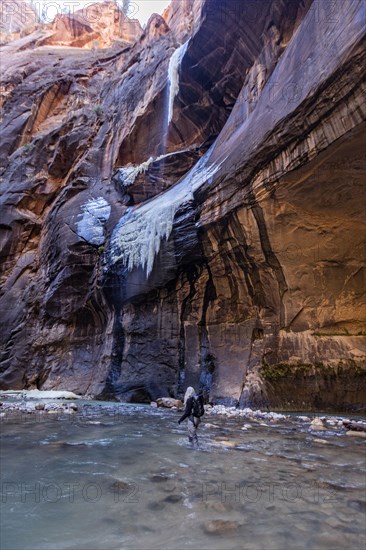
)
(97, 25)
(222, 248)
(16, 18)
(183, 17)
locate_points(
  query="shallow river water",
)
(125, 477)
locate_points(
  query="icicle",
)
(137, 238)
(127, 175)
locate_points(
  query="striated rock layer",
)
(223, 248)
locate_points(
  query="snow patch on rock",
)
(95, 214)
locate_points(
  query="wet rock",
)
(173, 499)
(168, 487)
(353, 433)
(358, 505)
(120, 486)
(56, 445)
(217, 506)
(157, 506)
(139, 529)
(317, 425)
(226, 442)
(209, 425)
(40, 407)
(355, 426)
(159, 478)
(169, 403)
(220, 527)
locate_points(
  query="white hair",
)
(189, 392)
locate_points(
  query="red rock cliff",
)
(194, 218)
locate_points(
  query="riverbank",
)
(42, 404)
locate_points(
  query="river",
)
(115, 476)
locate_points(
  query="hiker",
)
(194, 409)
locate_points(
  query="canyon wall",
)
(184, 205)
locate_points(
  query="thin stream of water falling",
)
(171, 92)
(173, 76)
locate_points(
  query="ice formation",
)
(95, 213)
(173, 75)
(127, 175)
(137, 238)
(40, 394)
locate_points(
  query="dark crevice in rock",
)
(271, 259)
(207, 360)
(248, 264)
(109, 391)
(192, 274)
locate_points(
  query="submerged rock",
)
(159, 478)
(353, 433)
(358, 505)
(220, 527)
(173, 499)
(218, 506)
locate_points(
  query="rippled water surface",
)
(124, 477)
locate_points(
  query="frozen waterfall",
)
(173, 76)
(127, 175)
(137, 238)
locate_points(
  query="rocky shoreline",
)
(315, 423)
(44, 404)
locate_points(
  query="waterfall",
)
(137, 238)
(173, 76)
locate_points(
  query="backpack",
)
(198, 409)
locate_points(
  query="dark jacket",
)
(189, 408)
